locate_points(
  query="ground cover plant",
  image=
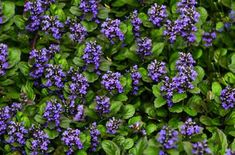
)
(117, 77)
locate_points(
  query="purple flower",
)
(5, 115)
(40, 58)
(186, 73)
(111, 29)
(79, 85)
(40, 142)
(94, 133)
(208, 38)
(79, 116)
(156, 69)
(172, 29)
(190, 128)
(112, 125)
(53, 112)
(16, 132)
(89, 6)
(168, 137)
(51, 25)
(201, 148)
(3, 58)
(111, 81)
(157, 14)
(136, 23)
(167, 89)
(54, 76)
(70, 137)
(229, 152)
(36, 10)
(144, 46)
(92, 54)
(78, 32)
(232, 15)
(135, 76)
(227, 98)
(102, 104)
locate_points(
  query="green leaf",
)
(216, 88)
(52, 134)
(91, 77)
(128, 143)
(177, 108)
(65, 122)
(28, 89)
(39, 119)
(156, 90)
(19, 21)
(201, 73)
(115, 107)
(90, 26)
(179, 97)
(203, 14)
(187, 148)
(75, 11)
(151, 128)
(14, 56)
(159, 102)
(227, 3)
(222, 139)
(105, 65)
(104, 13)
(158, 48)
(140, 147)
(8, 10)
(24, 68)
(110, 147)
(219, 26)
(128, 111)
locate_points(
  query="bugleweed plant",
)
(117, 77)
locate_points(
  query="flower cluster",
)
(89, 6)
(51, 25)
(79, 85)
(94, 133)
(185, 24)
(157, 14)
(17, 133)
(201, 148)
(183, 79)
(136, 23)
(6, 113)
(77, 31)
(79, 116)
(208, 37)
(102, 104)
(70, 137)
(156, 69)
(186, 73)
(36, 10)
(53, 112)
(111, 29)
(3, 58)
(92, 54)
(135, 76)
(168, 137)
(113, 125)
(167, 90)
(111, 81)
(227, 97)
(54, 76)
(40, 58)
(40, 142)
(144, 46)
(190, 128)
